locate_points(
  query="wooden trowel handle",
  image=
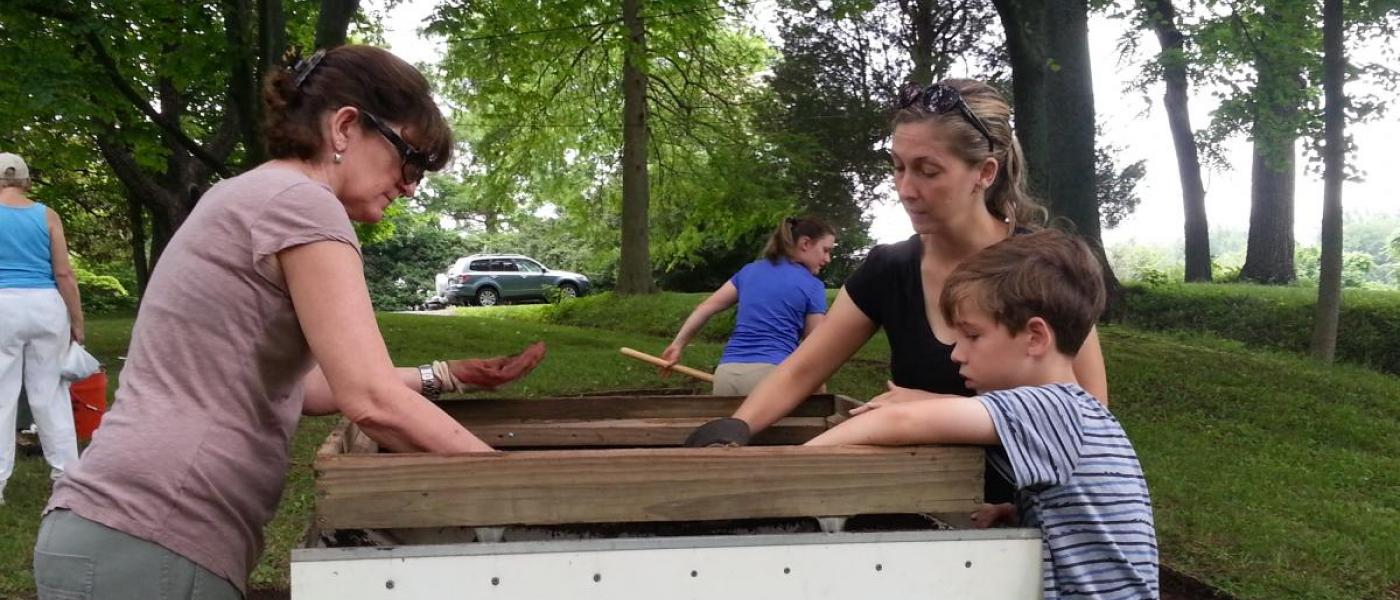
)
(658, 361)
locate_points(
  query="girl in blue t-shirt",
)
(780, 302)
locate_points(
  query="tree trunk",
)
(334, 22)
(1329, 282)
(920, 15)
(634, 270)
(272, 35)
(136, 218)
(1048, 41)
(1070, 98)
(1269, 256)
(1162, 16)
(1026, 33)
(243, 84)
(161, 231)
(272, 43)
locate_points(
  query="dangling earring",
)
(339, 158)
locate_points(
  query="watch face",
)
(431, 386)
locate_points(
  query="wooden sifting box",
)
(619, 459)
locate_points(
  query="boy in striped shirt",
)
(1020, 311)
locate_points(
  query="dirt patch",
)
(1180, 586)
(1393, 593)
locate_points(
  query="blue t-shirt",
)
(774, 301)
(25, 255)
(1078, 479)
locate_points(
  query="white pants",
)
(33, 339)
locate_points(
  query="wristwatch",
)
(432, 388)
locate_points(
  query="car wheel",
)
(568, 290)
(487, 297)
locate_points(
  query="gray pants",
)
(78, 559)
(738, 379)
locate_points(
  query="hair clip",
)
(303, 68)
(291, 57)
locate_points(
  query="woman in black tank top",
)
(961, 178)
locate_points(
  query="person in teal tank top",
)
(42, 315)
(780, 302)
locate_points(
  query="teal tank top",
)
(25, 258)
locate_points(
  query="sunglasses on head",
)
(941, 98)
(415, 161)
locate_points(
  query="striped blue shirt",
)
(1078, 480)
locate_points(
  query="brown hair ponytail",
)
(783, 243)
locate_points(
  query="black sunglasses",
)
(415, 161)
(940, 98)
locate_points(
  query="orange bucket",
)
(89, 402)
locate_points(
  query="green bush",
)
(102, 294)
(1273, 317)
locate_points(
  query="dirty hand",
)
(672, 356)
(893, 395)
(991, 514)
(728, 431)
(487, 373)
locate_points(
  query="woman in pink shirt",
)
(257, 314)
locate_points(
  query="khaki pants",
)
(78, 559)
(738, 379)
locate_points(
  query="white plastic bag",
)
(78, 364)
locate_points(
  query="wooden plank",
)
(627, 432)
(638, 485)
(843, 405)
(615, 407)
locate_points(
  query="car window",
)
(458, 266)
(529, 266)
(504, 265)
(481, 265)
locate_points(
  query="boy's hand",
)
(992, 514)
(894, 395)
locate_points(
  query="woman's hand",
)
(894, 395)
(672, 356)
(77, 332)
(491, 373)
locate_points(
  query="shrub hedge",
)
(1271, 316)
(103, 294)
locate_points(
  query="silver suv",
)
(490, 279)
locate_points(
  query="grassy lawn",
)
(1272, 476)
